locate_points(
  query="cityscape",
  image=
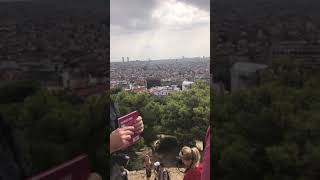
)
(247, 70)
(159, 77)
(245, 43)
(59, 47)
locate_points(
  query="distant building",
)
(50, 80)
(245, 74)
(186, 85)
(301, 52)
(166, 82)
(139, 89)
(91, 90)
(163, 90)
(153, 83)
(127, 59)
(122, 84)
(123, 59)
(9, 65)
(65, 79)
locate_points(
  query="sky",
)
(159, 29)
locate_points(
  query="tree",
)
(271, 129)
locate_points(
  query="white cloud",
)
(178, 29)
(177, 14)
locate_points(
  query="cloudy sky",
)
(159, 29)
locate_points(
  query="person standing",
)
(191, 159)
(161, 173)
(148, 166)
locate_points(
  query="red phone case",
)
(129, 120)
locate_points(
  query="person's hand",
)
(119, 138)
(138, 126)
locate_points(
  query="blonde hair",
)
(193, 154)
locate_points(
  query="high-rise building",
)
(123, 59)
(127, 59)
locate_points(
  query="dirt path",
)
(168, 159)
(175, 174)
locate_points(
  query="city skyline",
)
(154, 29)
(160, 59)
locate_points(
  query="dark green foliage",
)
(52, 130)
(184, 114)
(270, 131)
(167, 143)
(17, 91)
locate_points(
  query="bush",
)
(17, 91)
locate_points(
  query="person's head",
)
(156, 165)
(127, 158)
(190, 157)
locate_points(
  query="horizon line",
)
(158, 59)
